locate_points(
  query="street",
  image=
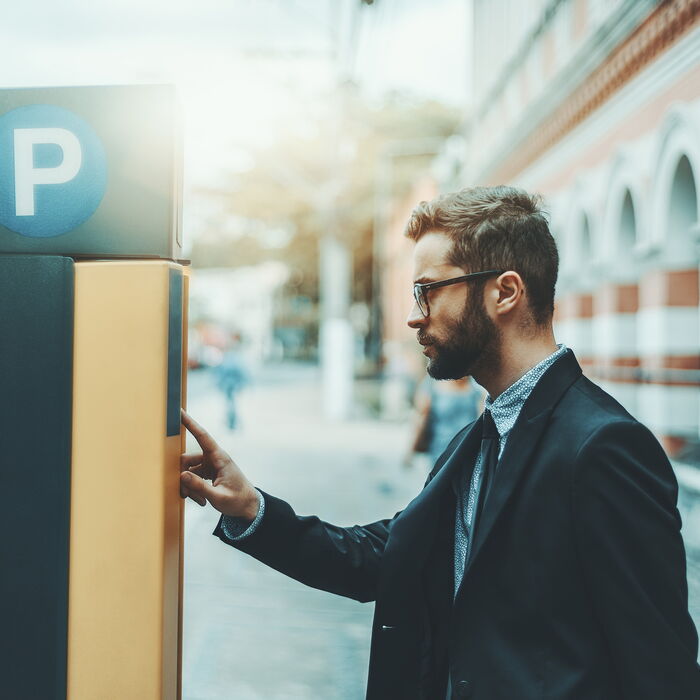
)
(249, 632)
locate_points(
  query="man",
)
(543, 558)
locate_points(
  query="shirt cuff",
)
(238, 528)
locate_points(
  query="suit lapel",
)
(413, 532)
(462, 455)
(520, 446)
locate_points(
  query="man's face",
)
(458, 336)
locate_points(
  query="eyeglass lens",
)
(421, 300)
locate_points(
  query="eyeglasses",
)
(420, 291)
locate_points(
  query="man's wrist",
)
(239, 527)
(252, 501)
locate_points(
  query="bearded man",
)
(543, 558)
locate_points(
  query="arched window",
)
(625, 240)
(584, 254)
(682, 214)
(575, 244)
(585, 243)
(628, 227)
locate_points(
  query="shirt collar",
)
(506, 407)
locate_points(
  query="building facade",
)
(595, 104)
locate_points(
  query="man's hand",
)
(230, 492)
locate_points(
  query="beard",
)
(472, 342)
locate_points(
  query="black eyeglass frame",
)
(420, 288)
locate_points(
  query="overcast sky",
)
(243, 68)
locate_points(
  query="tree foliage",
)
(320, 176)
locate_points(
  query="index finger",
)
(206, 441)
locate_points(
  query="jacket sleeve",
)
(341, 560)
(627, 532)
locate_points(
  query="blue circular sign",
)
(53, 171)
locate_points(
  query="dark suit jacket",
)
(576, 586)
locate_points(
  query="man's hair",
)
(496, 228)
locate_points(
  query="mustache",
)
(424, 338)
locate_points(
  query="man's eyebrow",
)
(422, 280)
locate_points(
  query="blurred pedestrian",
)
(442, 410)
(232, 376)
(544, 556)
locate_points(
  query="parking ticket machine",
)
(93, 300)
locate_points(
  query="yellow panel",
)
(183, 447)
(126, 514)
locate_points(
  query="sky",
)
(244, 69)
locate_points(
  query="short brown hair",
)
(500, 228)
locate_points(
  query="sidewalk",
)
(251, 633)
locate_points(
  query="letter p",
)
(27, 176)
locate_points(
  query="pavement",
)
(251, 633)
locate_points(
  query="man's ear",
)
(507, 292)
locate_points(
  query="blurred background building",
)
(596, 106)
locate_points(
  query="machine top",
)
(91, 172)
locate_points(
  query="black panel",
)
(36, 367)
(174, 354)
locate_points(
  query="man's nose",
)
(415, 317)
